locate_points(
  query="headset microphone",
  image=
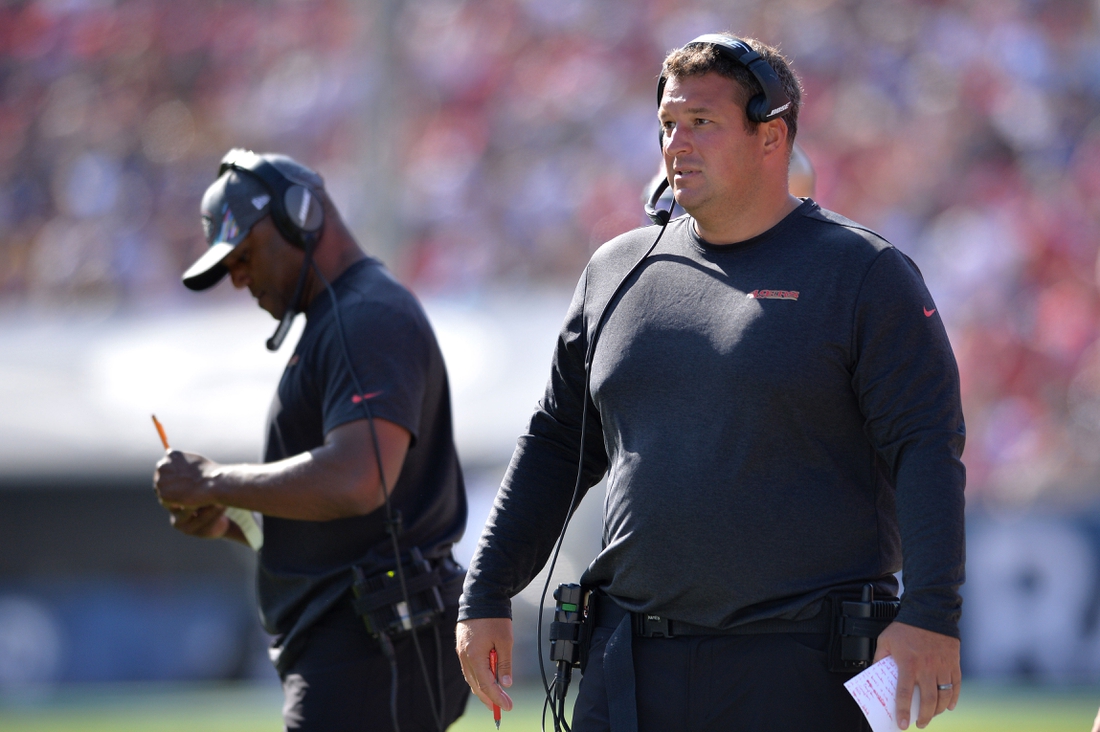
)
(277, 338)
(659, 216)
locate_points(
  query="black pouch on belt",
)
(856, 625)
(571, 630)
(389, 609)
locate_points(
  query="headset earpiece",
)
(303, 208)
(757, 108)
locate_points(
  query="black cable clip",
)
(394, 525)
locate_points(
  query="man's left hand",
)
(927, 659)
(182, 480)
(204, 522)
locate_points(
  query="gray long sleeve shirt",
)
(777, 418)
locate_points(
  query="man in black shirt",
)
(770, 391)
(361, 414)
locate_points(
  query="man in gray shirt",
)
(771, 393)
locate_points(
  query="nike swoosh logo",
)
(356, 398)
(928, 313)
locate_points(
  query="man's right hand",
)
(474, 640)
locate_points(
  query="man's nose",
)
(677, 140)
(239, 276)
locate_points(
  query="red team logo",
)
(774, 294)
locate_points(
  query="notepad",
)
(249, 526)
(875, 691)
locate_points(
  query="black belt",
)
(618, 656)
(646, 625)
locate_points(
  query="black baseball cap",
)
(230, 208)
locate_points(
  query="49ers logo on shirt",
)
(773, 294)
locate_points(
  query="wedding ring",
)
(945, 687)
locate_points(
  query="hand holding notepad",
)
(875, 690)
(244, 519)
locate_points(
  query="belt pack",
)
(389, 609)
(571, 630)
(856, 625)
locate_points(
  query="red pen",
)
(493, 668)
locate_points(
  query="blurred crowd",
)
(486, 143)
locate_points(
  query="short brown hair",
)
(705, 58)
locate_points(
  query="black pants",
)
(342, 681)
(767, 682)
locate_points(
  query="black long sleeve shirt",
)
(777, 418)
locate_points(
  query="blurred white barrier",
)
(78, 391)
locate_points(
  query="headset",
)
(296, 211)
(299, 216)
(771, 103)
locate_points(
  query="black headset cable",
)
(559, 714)
(438, 713)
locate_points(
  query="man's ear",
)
(774, 135)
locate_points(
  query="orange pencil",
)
(160, 431)
(242, 518)
(493, 668)
(164, 441)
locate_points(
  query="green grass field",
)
(156, 708)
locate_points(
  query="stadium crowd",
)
(965, 131)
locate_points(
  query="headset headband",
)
(295, 207)
(773, 103)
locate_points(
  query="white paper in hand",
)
(249, 527)
(875, 691)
